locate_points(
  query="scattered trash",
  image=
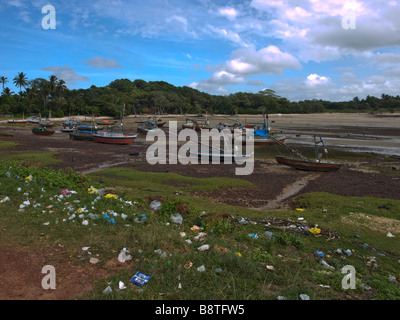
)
(319, 254)
(392, 278)
(123, 256)
(253, 235)
(218, 270)
(238, 254)
(188, 265)
(315, 230)
(383, 207)
(107, 290)
(176, 218)
(201, 268)
(121, 285)
(111, 196)
(389, 235)
(94, 260)
(281, 298)
(304, 297)
(204, 247)
(269, 235)
(299, 209)
(155, 205)
(140, 279)
(195, 228)
(325, 264)
(271, 268)
(201, 236)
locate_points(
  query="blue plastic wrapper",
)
(140, 279)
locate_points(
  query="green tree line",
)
(51, 97)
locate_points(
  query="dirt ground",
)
(275, 187)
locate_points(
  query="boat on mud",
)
(304, 163)
(20, 121)
(42, 131)
(113, 137)
(262, 133)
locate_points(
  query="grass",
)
(7, 144)
(44, 158)
(243, 277)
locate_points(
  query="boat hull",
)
(110, 139)
(81, 135)
(17, 121)
(42, 131)
(308, 165)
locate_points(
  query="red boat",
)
(114, 137)
(17, 121)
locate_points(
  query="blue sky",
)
(302, 49)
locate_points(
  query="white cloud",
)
(228, 12)
(67, 74)
(269, 60)
(100, 62)
(315, 79)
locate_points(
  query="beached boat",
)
(262, 133)
(115, 135)
(147, 126)
(42, 131)
(17, 121)
(34, 119)
(46, 123)
(304, 163)
(112, 137)
(308, 165)
(81, 135)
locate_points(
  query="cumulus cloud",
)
(246, 62)
(228, 12)
(67, 74)
(99, 62)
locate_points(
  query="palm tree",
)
(3, 80)
(52, 85)
(21, 81)
(8, 92)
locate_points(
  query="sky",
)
(302, 49)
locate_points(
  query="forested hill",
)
(140, 97)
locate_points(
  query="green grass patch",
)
(45, 158)
(168, 182)
(8, 144)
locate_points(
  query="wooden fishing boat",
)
(81, 135)
(114, 137)
(262, 133)
(304, 163)
(17, 121)
(42, 131)
(308, 165)
(34, 119)
(46, 123)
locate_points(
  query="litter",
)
(304, 297)
(188, 265)
(325, 264)
(140, 279)
(271, 268)
(121, 285)
(389, 235)
(123, 256)
(204, 247)
(176, 218)
(319, 254)
(201, 268)
(107, 290)
(110, 196)
(155, 205)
